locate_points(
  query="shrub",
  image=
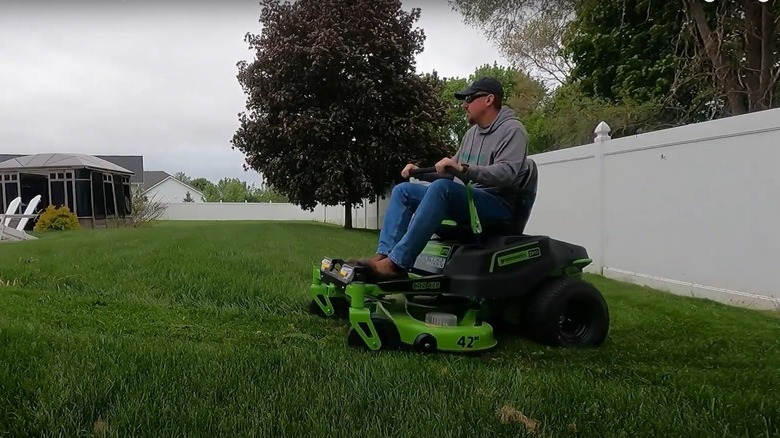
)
(145, 210)
(57, 218)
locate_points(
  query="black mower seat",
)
(526, 196)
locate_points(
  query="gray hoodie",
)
(496, 155)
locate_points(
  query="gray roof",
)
(57, 160)
(6, 157)
(154, 177)
(133, 163)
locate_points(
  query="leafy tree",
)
(181, 176)
(659, 64)
(569, 116)
(528, 32)
(202, 184)
(627, 51)
(334, 107)
(522, 93)
(235, 190)
(457, 125)
(695, 62)
(571, 45)
(738, 40)
(619, 52)
(268, 195)
(188, 197)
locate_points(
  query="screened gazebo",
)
(96, 190)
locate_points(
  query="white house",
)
(161, 186)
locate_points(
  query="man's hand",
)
(405, 172)
(444, 163)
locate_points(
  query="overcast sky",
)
(132, 77)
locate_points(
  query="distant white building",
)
(161, 186)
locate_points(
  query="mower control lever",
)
(451, 170)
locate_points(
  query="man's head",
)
(482, 100)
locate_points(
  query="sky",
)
(132, 77)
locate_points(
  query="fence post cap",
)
(602, 131)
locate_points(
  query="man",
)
(492, 154)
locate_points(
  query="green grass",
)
(199, 329)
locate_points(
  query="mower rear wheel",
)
(568, 312)
(387, 331)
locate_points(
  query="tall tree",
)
(181, 176)
(627, 51)
(202, 184)
(739, 39)
(334, 107)
(678, 62)
(696, 60)
(528, 32)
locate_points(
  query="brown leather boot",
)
(385, 269)
(365, 262)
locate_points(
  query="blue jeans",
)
(402, 239)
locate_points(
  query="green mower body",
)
(465, 285)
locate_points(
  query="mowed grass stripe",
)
(200, 329)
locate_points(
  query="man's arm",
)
(507, 164)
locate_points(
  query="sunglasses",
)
(474, 97)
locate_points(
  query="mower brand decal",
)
(437, 250)
(518, 257)
(423, 285)
(509, 255)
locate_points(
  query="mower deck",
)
(407, 327)
(386, 315)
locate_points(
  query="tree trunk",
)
(759, 54)
(753, 56)
(768, 59)
(348, 215)
(724, 74)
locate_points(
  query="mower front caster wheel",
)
(425, 343)
(388, 335)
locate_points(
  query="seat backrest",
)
(526, 196)
(12, 207)
(30, 210)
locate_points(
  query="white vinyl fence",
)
(367, 216)
(694, 210)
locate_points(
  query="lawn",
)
(200, 329)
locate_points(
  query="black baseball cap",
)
(485, 84)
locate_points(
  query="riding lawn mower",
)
(469, 284)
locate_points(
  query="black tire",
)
(568, 312)
(425, 343)
(388, 335)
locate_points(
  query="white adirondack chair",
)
(29, 211)
(12, 207)
(7, 233)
